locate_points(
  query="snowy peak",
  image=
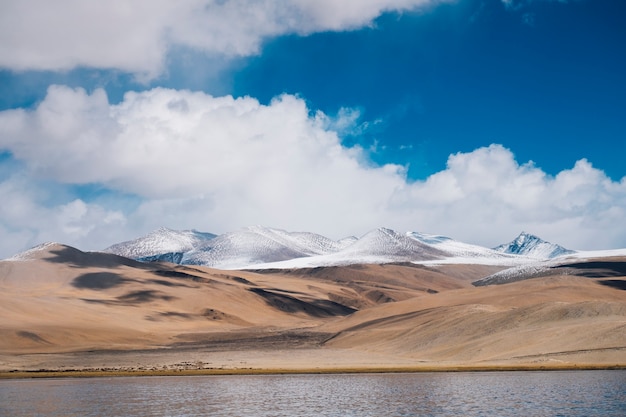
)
(428, 239)
(259, 245)
(38, 252)
(161, 244)
(388, 243)
(265, 247)
(532, 246)
(378, 246)
(455, 249)
(305, 242)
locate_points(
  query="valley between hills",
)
(64, 310)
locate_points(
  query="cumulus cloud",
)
(220, 163)
(201, 161)
(27, 218)
(137, 36)
(485, 195)
(165, 143)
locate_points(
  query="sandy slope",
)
(552, 319)
(61, 308)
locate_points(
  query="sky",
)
(474, 119)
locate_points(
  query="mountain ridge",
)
(104, 310)
(533, 246)
(265, 247)
(158, 242)
(260, 247)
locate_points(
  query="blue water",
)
(571, 393)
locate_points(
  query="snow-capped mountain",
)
(36, 252)
(533, 247)
(163, 244)
(375, 247)
(389, 244)
(264, 247)
(455, 249)
(258, 244)
(385, 246)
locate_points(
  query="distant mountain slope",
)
(58, 253)
(162, 244)
(378, 246)
(260, 247)
(258, 244)
(598, 267)
(454, 248)
(101, 307)
(533, 246)
(389, 244)
(383, 245)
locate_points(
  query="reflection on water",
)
(585, 393)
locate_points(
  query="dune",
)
(63, 309)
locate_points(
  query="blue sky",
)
(472, 118)
(467, 75)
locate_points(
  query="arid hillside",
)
(61, 308)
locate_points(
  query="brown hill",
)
(62, 308)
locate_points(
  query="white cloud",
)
(201, 161)
(485, 195)
(219, 163)
(27, 219)
(165, 143)
(136, 36)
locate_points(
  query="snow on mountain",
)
(544, 267)
(516, 273)
(385, 246)
(258, 244)
(377, 246)
(36, 252)
(346, 241)
(391, 245)
(545, 256)
(264, 247)
(161, 244)
(259, 247)
(59, 253)
(533, 246)
(591, 254)
(455, 249)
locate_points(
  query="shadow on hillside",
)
(597, 269)
(99, 281)
(315, 308)
(614, 283)
(179, 275)
(80, 259)
(144, 296)
(34, 337)
(133, 298)
(103, 280)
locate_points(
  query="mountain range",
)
(534, 247)
(64, 309)
(301, 301)
(259, 247)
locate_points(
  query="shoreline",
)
(103, 373)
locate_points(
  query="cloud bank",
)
(137, 36)
(192, 160)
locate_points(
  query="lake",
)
(554, 393)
